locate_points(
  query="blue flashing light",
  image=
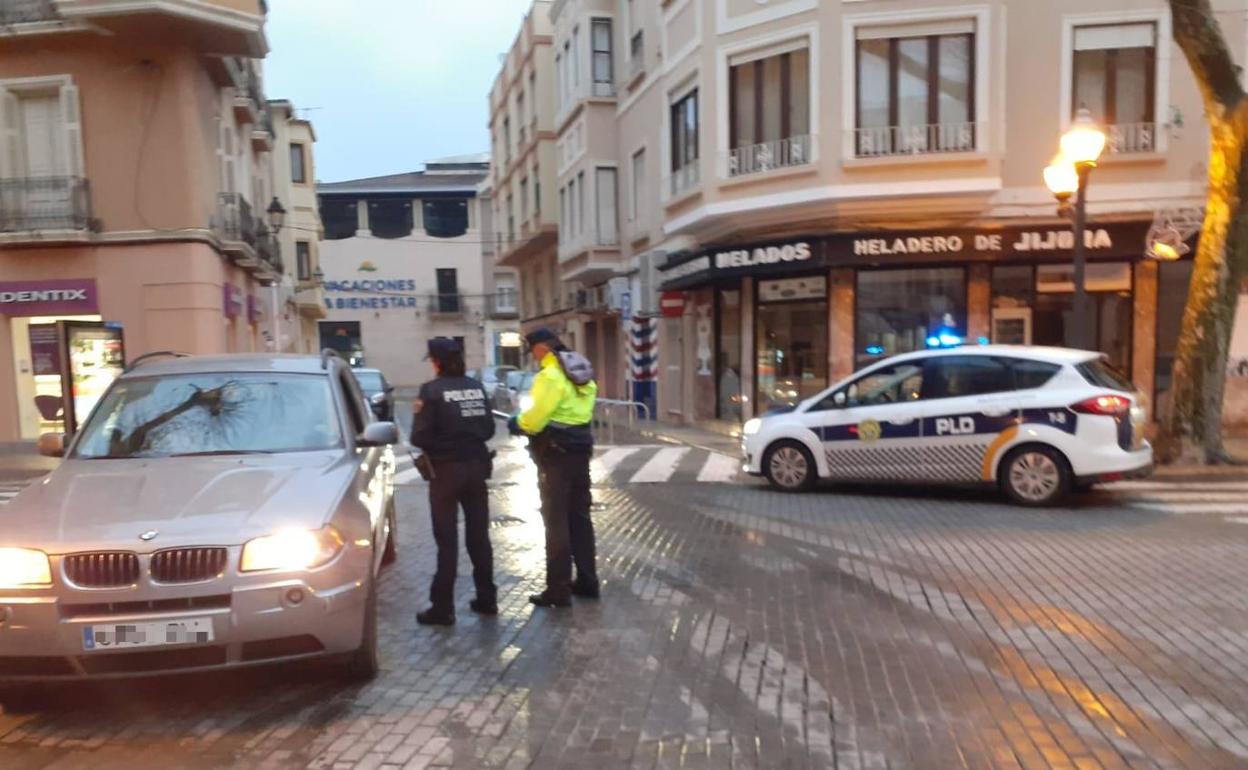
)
(875, 350)
(933, 341)
(949, 340)
(983, 340)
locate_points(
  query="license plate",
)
(164, 633)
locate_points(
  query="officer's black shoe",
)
(544, 599)
(483, 608)
(586, 590)
(432, 617)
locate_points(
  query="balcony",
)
(897, 141)
(249, 103)
(310, 300)
(262, 133)
(27, 12)
(43, 205)
(1129, 138)
(602, 89)
(682, 181)
(446, 304)
(503, 304)
(769, 156)
(269, 252)
(235, 224)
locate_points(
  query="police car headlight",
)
(751, 427)
(526, 403)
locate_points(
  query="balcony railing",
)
(44, 203)
(767, 156)
(27, 11)
(1127, 138)
(937, 138)
(446, 304)
(235, 223)
(503, 302)
(683, 180)
(602, 89)
(269, 248)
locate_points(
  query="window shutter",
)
(11, 165)
(72, 116)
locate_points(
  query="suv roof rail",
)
(156, 354)
(328, 353)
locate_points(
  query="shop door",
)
(792, 353)
(672, 353)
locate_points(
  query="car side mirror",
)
(52, 445)
(379, 434)
(378, 403)
(839, 398)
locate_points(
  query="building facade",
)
(503, 346)
(800, 188)
(402, 262)
(299, 299)
(132, 180)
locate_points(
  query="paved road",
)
(849, 628)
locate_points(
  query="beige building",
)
(810, 186)
(402, 262)
(133, 175)
(299, 298)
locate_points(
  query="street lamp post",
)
(1067, 175)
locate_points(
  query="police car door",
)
(970, 409)
(870, 429)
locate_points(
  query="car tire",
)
(1036, 476)
(391, 554)
(790, 467)
(365, 663)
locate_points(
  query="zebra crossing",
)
(1179, 498)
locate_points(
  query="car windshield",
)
(212, 414)
(514, 378)
(526, 381)
(370, 382)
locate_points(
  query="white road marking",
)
(1175, 486)
(1186, 508)
(604, 464)
(719, 468)
(1190, 497)
(660, 467)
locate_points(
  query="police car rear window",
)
(1102, 374)
(1033, 374)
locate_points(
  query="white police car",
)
(1037, 421)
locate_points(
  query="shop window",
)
(340, 218)
(900, 311)
(916, 89)
(390, 219)
(446, 218)
(728, 366)
(792, 346)
(1115, 79)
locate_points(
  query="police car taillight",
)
(1108, 406)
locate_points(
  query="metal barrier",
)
(607, 412)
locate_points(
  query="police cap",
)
(442, 348)
(542, 336)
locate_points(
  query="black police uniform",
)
(451, 425)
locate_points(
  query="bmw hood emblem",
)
(149, 535)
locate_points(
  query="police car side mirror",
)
(839, 399)
(379, 434)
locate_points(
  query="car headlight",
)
(24, 568)
(751, 427)
(291, 550)
(526, 402)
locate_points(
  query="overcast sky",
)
(397, 82)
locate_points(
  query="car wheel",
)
(365, 663)
(790, 467)
(1036, 476)
(391, 554)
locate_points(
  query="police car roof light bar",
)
(156, 354)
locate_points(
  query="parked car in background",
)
(1038, 422)
(515, 393)
(213, 513)
(378, 392)
(494, 378)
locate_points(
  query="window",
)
(1115, 79)
(563, 212)
(504, 292)
(41, 152)
(390, 218)
(520, 115)
(576, 57)
(769, 112)
(728, 356)
(684, 143)
(580, 202)
(298, 170)
(603, 66)
(639, 183)
(303, 260)
(916, 91)
(446, 218)
(537, 198)
(524, 201)
(1032, 374)
(896, 384)
(792, 352)
(606, 194)
(507, 140)
(899, 310)
(958, 376)
(340, 218)
(448, 290)
(562, 83)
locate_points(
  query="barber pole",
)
(643, 357)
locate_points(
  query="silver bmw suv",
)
(213, 512)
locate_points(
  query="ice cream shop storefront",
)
(754, 326)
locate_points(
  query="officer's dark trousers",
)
(569, 528)
(461, 484)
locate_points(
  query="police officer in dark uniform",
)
(451, 425)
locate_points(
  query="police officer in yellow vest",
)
(562, 443)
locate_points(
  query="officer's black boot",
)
(435, 617)
(483, 608)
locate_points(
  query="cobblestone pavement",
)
(849, 628)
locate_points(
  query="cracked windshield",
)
(656, 384)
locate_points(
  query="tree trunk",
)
(1194, 425)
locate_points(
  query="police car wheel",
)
(789, 467)
(1036, 476)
